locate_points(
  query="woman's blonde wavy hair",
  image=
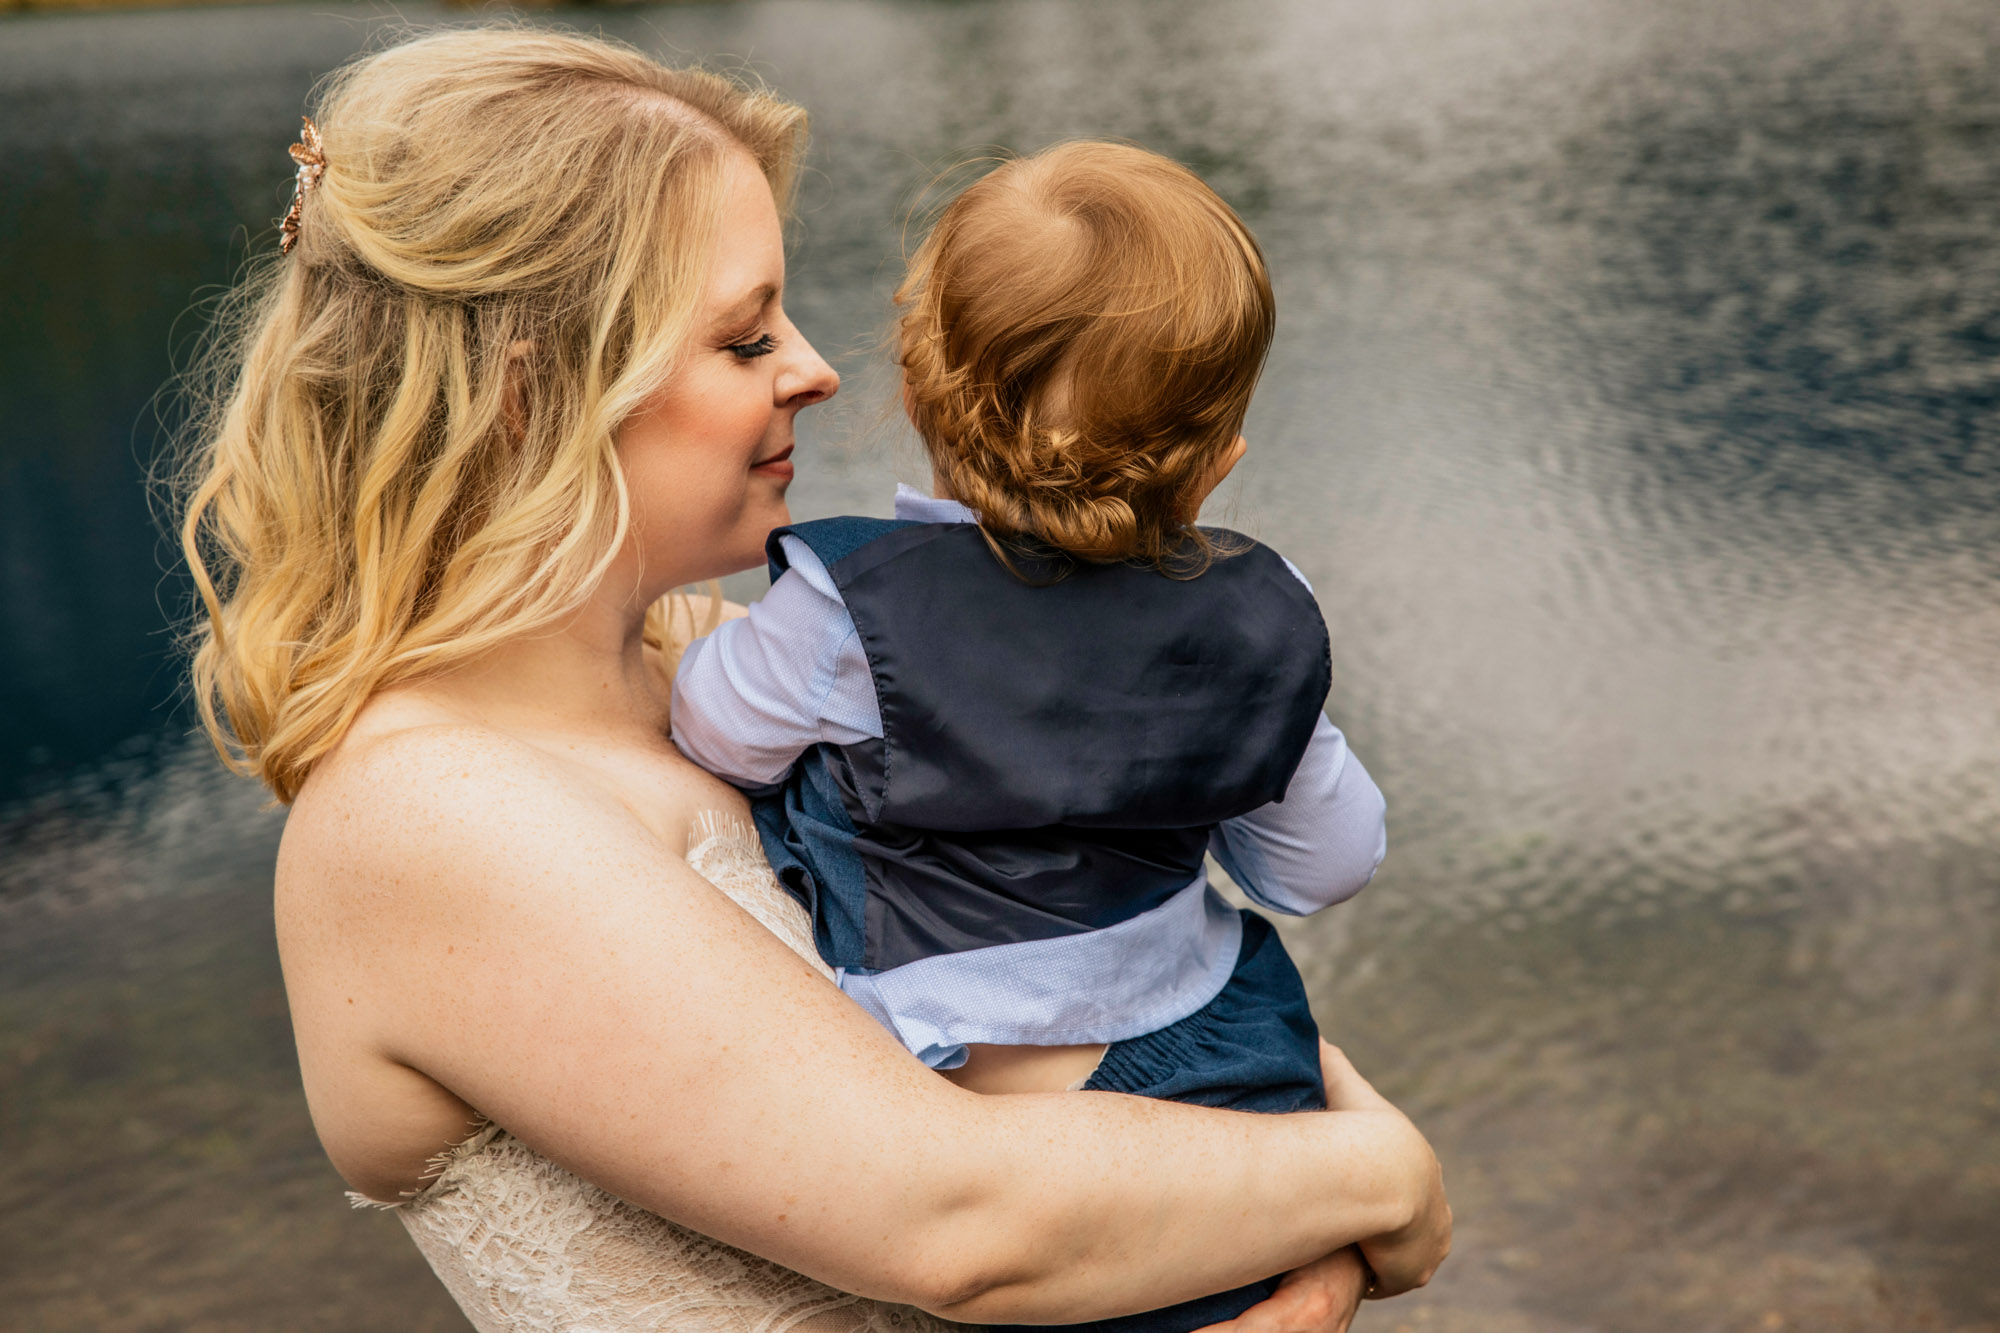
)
(401, 448)
(1080, 334)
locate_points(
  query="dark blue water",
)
(1635, 412)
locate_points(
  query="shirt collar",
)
(913, 505)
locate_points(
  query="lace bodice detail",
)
(526, 1247)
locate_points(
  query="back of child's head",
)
(1080, 336)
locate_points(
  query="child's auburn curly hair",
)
(1080, 335)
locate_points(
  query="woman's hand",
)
(1322, 1297)
(1404, 1259)
(1319, 1298)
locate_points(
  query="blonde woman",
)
(525, 370)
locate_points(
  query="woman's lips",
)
(778, 466)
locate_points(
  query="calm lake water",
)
(1635, 412)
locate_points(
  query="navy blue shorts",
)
(1254, 1047)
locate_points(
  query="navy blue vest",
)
(1054, 755)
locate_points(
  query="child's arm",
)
(1319, 845)
(763, 689)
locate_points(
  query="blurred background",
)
(1635, 412)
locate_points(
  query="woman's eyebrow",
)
(749, 304)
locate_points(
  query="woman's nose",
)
(808, 378)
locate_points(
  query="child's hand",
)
(1319, 1298)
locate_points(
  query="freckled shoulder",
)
(401, 807)
(374, 884)
(424, 862)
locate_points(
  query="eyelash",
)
(763, 345)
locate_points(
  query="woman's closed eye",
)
(762, 345)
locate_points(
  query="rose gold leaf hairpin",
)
(312, 164)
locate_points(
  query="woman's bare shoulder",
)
(431, 756)
(426, 860)
(417, 798)
(433, 766)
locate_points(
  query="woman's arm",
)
(466, 907)
(1322, 1297)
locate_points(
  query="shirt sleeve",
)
(1317, 847)
(761, 690)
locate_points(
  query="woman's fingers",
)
(1406, 1258)
(1346, 1090)
(1318, 1298)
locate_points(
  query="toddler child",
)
(990, 741)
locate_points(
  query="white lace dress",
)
(526, 1247)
